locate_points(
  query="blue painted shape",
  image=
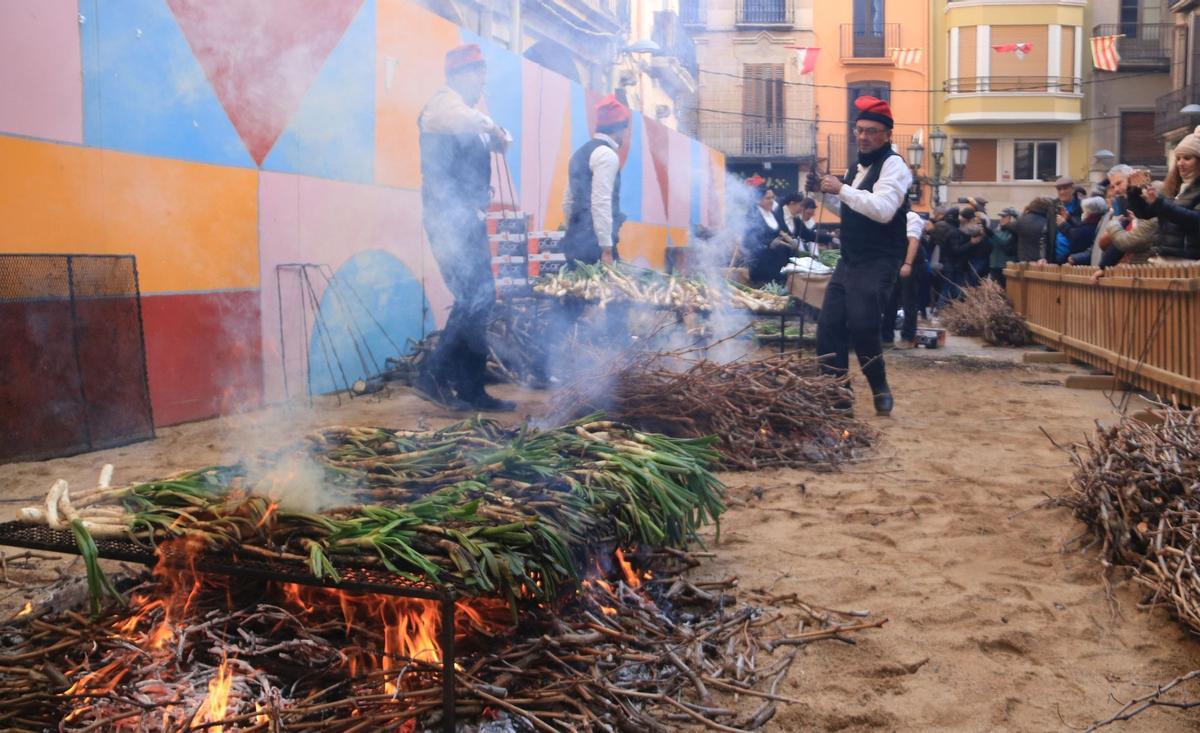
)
(503, 99)
(696, 182)
(332, 134)
(580, 132)
(391, 294)
(631, 173)
(144, 91)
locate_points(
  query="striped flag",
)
(1104, 53)
(1020, 49)
(806, 58)
(906, 56)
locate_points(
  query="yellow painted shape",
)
(644, 241)
(1036, 105)
(1015, 14)
(413, 42)
(192, 226)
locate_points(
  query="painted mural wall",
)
(216, 140)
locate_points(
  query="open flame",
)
(631, 576)
(217, 704)
(25, 610)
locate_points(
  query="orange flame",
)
(25, 610)
(631, 577)
(219, 688)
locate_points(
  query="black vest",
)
(863, 238)
(456, 173)
(580, 241)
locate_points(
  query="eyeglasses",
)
(869, 130)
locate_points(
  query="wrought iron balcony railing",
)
(765, 12)
(1167, 110)
(765, 139)
(1015, 84)
(1144, 46)
(869, 41)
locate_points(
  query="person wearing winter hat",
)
(873, 209)
(457, 142)
(592, 209)
(1177, 209)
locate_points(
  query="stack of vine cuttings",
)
(774, 411)
(603, 283)
(488, 509)
(211, 654)
(1137, 486)
(986, 311)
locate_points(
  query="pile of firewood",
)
(649, 655)
(986, 311)
(1137, 486)
(775, 411)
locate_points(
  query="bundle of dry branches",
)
(775, 411)
(1137, 486)
(672, 652)
(986, 311)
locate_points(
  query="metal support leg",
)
(447, 644)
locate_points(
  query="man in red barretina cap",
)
(592, 208)
(457, 143)
(873, 209)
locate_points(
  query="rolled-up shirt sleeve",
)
(605, 165)
(914, 225)
(882, 203)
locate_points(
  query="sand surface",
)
(992, 627)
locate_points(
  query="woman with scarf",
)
(766, 246)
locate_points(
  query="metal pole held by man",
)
(457, 141)
(873, 208)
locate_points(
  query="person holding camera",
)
(873, 209)
(1177, 209)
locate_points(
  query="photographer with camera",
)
(873, 210)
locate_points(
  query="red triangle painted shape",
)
(262, 56)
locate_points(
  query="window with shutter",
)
(1139, 145)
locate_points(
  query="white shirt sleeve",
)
(881, 204)
(605, 165)
(915, 225)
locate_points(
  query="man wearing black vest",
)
(457, 142)
(592, 208)
(873, 209)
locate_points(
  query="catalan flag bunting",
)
(906, 56)
(806, 58)
(1104, 53)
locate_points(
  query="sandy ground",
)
(991, 626)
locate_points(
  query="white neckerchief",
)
(768, 217)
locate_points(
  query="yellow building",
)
(857, 40)
(1013, 75)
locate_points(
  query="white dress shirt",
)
(881, 204)
(914, 225)
(605, 164)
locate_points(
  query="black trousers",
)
(465, 260)
(904, 295)
(610, 333)
(850, 316)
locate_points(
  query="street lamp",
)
(958, 161)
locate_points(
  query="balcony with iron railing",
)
(1168, 110)
(870, 42)
(1014, 85)
(693, 12)
(792, 139)
(766, 12)
(1145, 46)
(1015, 99)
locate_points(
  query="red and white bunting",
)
(806, 58)
(906, 56)
(1020, 49)
(1104, 53)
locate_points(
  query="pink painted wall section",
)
(41, 79)
(547, 121)
(679, 198)
(314, 220)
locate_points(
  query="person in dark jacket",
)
(457, 142)
(766, 245)
(1177, 210)
(811, 236)
(1003, 239)
(873, 208)
(949, 244)
(1035, 230)
(1082, 236)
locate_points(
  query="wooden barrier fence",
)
(1141, 322)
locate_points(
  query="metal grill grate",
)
(74, 357)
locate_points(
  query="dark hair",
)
(792, 198)
(810, 203)
(609, 129)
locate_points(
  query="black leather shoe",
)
(431, 390)
(883, 403)
(487, 403)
